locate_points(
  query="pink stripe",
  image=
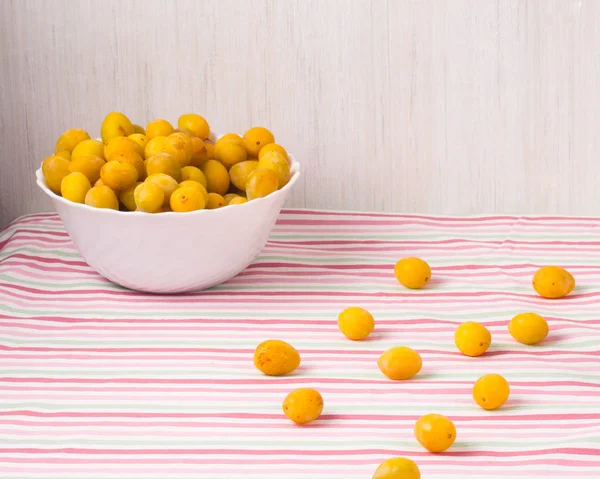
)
(408, 221)
(304, 452)
(32, 218)
(357, 231)
(300, 302)
(325, 417)
(304, 351)
(51, 269)
(169, 322)
(300, 461)
(75, 276)
(502, 248)
(574, 250)
(54, 392)
(490, 275)
(42, 259)
(37, 232)
(264, 269)
(284, 431)
(15, 243)
(243, 359)
(286, 461)
(334, 266)
(326, 329)
(365, 466)
(322, 427)
(441, 219)
(36, 235)
(429, 242)
(261, 380)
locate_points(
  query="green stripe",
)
(365, 287)
(43, 252)
(446, 234)
(371, 259)
(244, 408)
(62, 285)
(276, 313)
(337, 342)
(207, 371)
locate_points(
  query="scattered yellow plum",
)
(472, 339)
(553, 282)
(491, 391)
(435, 432)
(414, 273)
(400, 363)
(528, 328)
(397, 468)
(276, 358)
(356, 323)
(303, 405)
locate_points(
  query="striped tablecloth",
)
(97, 382)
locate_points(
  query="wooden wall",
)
(431, 106)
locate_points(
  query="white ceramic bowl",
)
(171, 252)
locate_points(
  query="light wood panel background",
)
(433, 106)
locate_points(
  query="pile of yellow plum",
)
(436, 433)
(162, 168)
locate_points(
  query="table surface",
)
(100, 382)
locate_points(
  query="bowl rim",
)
(294, 169)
